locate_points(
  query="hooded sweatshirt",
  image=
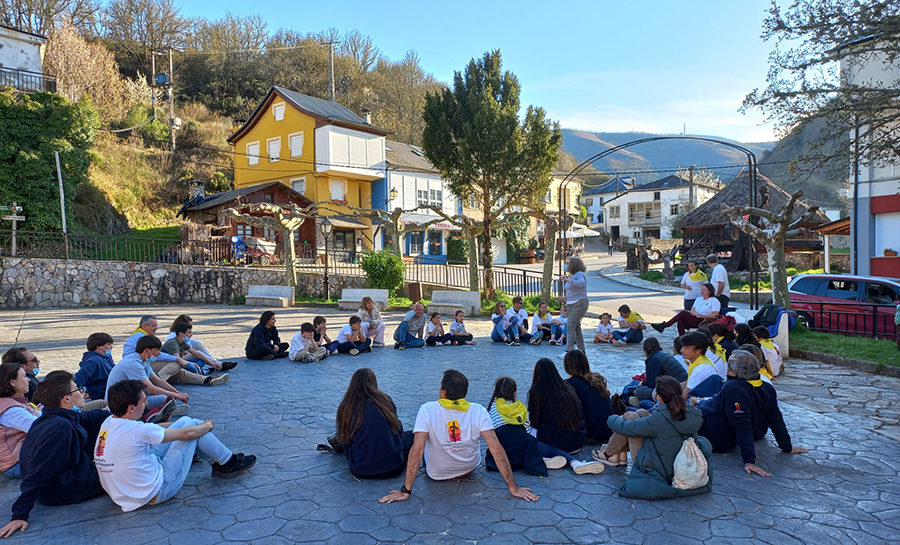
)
(94, 371)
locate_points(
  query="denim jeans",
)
(176, 457)
(631, 336)
(14, 472)
(407, 340)
(557, 332)
(498, 332)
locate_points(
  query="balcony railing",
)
(25, 80)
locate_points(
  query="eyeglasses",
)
(79, 389)
(33, 360)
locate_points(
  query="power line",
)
(262, 50)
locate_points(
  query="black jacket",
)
(658, 364)
(32, 385)
(740, 414)
(596, 408)
(261, 335)
(375, 448)
(729, 346)
(57, 460)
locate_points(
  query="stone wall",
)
(664, 244)
(313, 284)
(815, 260)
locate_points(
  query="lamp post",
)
(327, 228)
(393, 195)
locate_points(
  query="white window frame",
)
(243, 230)
(615, 212)
(253, 156)
(269, 142)
(343, 185)
(437, 197)
(291, 137)
(413, 250)
(301, 180)
(278, 111)
(589, 201)
(673, 209)
(421, 197)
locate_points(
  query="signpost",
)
(14, 218)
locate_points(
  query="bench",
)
(782, 339)
(447, 302)
(270, 296)
(351, 299)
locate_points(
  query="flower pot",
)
(890, 253)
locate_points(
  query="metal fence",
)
(850, 318)
(25, 80)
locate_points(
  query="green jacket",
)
(654, 466)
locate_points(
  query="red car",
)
(847, 304)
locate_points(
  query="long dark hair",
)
(550, 394)
(651, 345)
(9, 372)
(672, 395)
(576, 364)
(721, 331)
(266, 316)
(506, 388)
(363, 387)
(745, 335)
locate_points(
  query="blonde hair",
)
(365, 301)
(576, 264)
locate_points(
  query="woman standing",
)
(555, 409)
(691, 282)
(371, 321)
(576, 298)
(16, 416)
(264, 343)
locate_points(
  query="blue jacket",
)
(659, 363)
(375, 448)
(595, 407)
(57, 460)
(94, 371)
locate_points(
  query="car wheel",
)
(264, 260)
(806, 319)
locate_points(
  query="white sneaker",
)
(557, 462)
(354, 352)
(620, 343)
(439, 344)
(587, 468)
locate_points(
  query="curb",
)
(860, 365)
(608, 274)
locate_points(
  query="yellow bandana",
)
(512, 413)
(765, 371)
(455, 404)
(719, 350)
(755, 383)
(699, 275)
(699, 361)
(139, 330)
(767, 343)
(633, 317)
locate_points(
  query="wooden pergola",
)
(836, 228)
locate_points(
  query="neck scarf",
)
(699, 361)
(455, 404)
(756, 383)
(511, 413)
(717, 348)
(139, 330)
(765, 371)
(767, 343)
(699, 275)
(633, 317)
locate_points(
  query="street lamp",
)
(327, 228)
(393, 195)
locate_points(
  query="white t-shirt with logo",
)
(719, 274)
(706, 306)
(453, 447)
(347, 331)
(457, 328)
(522, 315)
(129, 472)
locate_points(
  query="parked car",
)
(846, 304)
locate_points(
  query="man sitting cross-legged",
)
(173, 371)
(55, 458)
(136, 366)
(447, 434)
(141, 463)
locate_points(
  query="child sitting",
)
(352, 338)
(605, 329)
(458, 329)
(770, 350)
(558, 328)
(321, 336)
(540, 324)
(434, 332)
(304, 347)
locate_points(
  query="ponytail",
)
(505, 387)
(671, 393)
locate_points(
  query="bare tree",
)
(286, 218)
(361, 48)
(773, 230)
(42, 16)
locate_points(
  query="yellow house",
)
(318, 148)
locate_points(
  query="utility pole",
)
(164, 80)
(331, 70)
(171, 107)
(691, 189)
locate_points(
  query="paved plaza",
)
(846, 490)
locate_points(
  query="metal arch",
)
(753, 200)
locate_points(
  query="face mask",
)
(35, 371)
(152, 358)
(566, 268)
(76, 409)
(108, 352)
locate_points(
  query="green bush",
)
(531, 302)
(653, 276)
(457, 250)
(384, 270)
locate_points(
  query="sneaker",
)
(237, 465)
(536, 340)
(354, 352)
(587, 468)
(396, 346)
(471, 343)
(557, 462)
(401, 347)
(517, 343)
(307, 359)
(217, 380)
(620, 343)
(229, 365)
(660, 327)
(377, 344)
(552, 342)
(439, 344)
(509, 342)
(181, 409)
(163, 414)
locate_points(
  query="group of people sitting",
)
(106, 429)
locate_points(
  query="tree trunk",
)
(290, 257)
(778, 272)
(473, 261)
(396, 241)
(549, 258)
(740, 253)
(487, 254)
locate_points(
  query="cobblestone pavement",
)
(846, 490)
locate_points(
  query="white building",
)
(875, 202)
(651, 210)
(21, 61)
(594, 198)
(415, 182)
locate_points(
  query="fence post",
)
(875, 321)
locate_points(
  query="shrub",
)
(384, 270)
(457, 250)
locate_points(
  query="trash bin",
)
(415, 291)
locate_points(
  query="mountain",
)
(655, 160)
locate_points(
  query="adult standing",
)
(691, 281)
(576, 298)
(719, 280)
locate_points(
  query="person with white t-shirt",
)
(703, 378)
(458, 329)
(518, 317)
(447, 433)
(719, 280)
(352, 339)
(142, 463)
(434, 332)
(540, 324)
(705, 307)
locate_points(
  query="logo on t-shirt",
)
(737, 409)
(454, 431)
(101, 443)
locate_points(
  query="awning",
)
(346, 222)
(420, 219)
(839, 227)
(581, 233)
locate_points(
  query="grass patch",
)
(840, 250)
(653, 276)
(861, 348)
(171, 232)
(531, 303)
(403, 303)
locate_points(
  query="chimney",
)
(198, 189)
(367, 116)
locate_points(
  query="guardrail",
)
(28, 81)
(851, 318)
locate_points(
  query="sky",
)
(639, 65)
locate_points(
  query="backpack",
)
(691, 468)
(767, 316)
